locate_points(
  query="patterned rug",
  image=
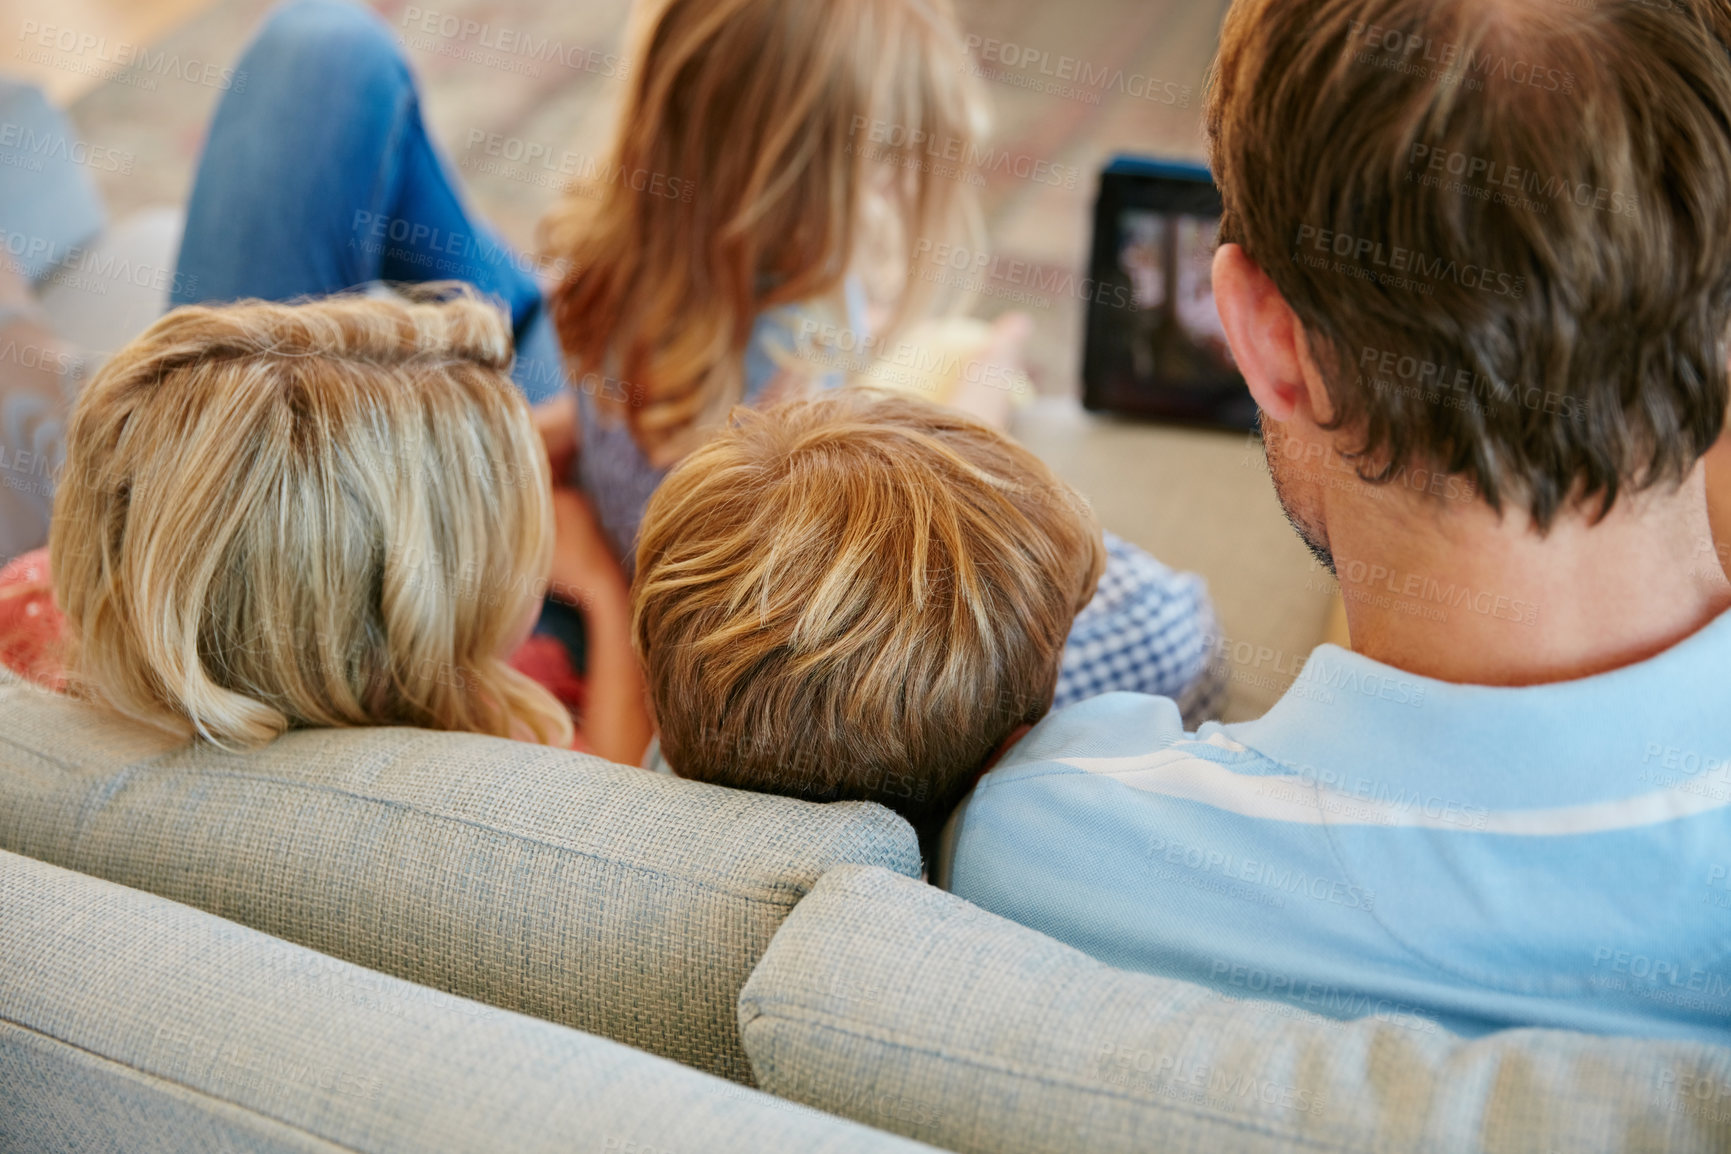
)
(1072, 84)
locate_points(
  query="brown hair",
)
(1525, 203)
(327, 514)
(856, 597)
(738, 183)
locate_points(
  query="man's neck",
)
(1719, 499)
(1452, 592)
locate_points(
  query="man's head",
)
(1481, 239)
(856, 597)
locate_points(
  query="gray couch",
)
(898, 1005)
(636, 908)
(132, 1023)
(593, 895)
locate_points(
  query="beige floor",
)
(1199, 501)
(100, 31)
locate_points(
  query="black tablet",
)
(1154, 343)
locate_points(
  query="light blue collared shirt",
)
(1387, 845)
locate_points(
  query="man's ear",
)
(1264, 333)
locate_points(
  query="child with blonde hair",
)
(773, 114)
(857, 597)
(271, 517)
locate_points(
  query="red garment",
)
(31, 629)
(548, 662)
(30, 625)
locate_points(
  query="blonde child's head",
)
(765, 145)
(325, 514)
(860, 597)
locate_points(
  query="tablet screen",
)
(1155, 343)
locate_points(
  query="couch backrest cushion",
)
(897, 1004)
(594, 895)
(129, 1022)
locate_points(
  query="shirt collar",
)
(1661, 723)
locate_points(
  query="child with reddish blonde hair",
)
(857, 597)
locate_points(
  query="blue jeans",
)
(318, 177)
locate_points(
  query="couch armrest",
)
(899, 1005)
(131, 1022)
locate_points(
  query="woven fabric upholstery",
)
(597, 896)
(888, 1001)
(129, 1022)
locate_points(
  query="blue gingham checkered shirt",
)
(1147, 630)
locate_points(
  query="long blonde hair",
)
(328, 514)
(738, 182)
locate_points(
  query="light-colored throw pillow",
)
(904, 1007)
(598, 896)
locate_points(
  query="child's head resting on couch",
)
(858, 597)
(328, 514)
